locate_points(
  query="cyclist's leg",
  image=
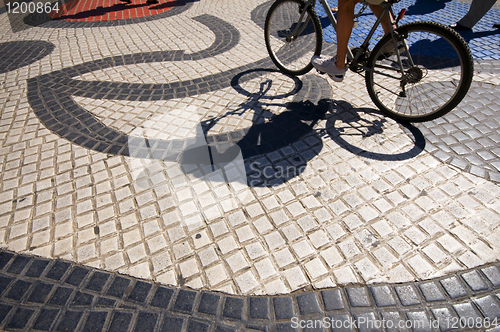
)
(386, 25)
(335, 67)
(345, 22)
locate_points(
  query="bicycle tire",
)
(292, 57)
(437, 83)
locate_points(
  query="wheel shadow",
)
(368, 133)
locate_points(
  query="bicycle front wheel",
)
(437, 66)
(291, 41)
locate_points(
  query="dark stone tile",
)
(283, 307)
(466, 311)
(233, 308)
(162, 297)
(97, 281)
(105, 303)
(40, 292)
(18, 289)
(18, 264)
(431, 292)
(493, 275)
(45, 319)
(4, 283)
(383, 296)
(255, 326)
(37, 267)
(332, 299)
(314, 327)
(209, 303)
(4, 311)
(20, 318)
(82, 299)
(453, 287)
(197, 325)
(407, 295)
(393, 319)
(171, 324)
(120, 321)
(259, 307)
(184, 301)
(358, 296)
(118, 287)
(308, 303)
(95, 321)
(341, 323)
(146, 322)
(366, 322)
(57, 271)
(77, 275)
(224, 328)
(5, 258)
(488, 306)
(61, 296)
(474, 280)
(445, 318)
(140, 291)
(420, 321)
(69, 321)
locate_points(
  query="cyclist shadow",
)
(368, 133)
(362, 131)
(285, 136)
(238, 155)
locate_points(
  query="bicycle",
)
(418, 72)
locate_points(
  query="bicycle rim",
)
(433, 85)
(292, 55)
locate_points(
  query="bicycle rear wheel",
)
(292, 53)
(436, 81)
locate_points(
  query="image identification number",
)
(471, 322)
(31, 7)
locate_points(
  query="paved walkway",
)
(110, 132)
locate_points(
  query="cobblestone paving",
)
(55, 295)
(326, 191)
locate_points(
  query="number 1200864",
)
(31, 7)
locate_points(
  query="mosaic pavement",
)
(170, 150)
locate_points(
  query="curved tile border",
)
(43, 294)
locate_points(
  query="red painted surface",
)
(108, 10)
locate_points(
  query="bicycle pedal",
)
(321, 72)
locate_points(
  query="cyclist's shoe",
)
(324, 65)
(389, 50)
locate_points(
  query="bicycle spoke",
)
(437, 73)
(292, 36)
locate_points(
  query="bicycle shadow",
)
(368, 133)
(362, 131)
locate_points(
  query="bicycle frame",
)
(353, 58)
